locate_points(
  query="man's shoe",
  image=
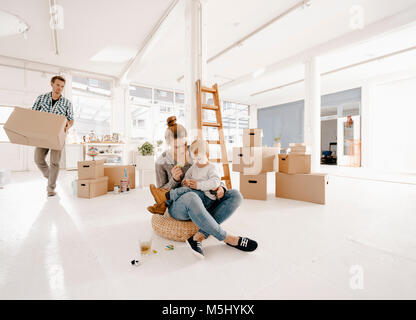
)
(158, 193)
(196, 247)
(157, 208)
(51, 193)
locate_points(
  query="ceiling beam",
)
(148, 42)
(57, 68)
(385, 25)
(300, 4)
(392, 54)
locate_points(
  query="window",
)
(149, 108)
(235, 117)
(163, 96)
(141, 103)
(91, 85)
(4, 115)
(91, 114)
(141, 95)
(351, 109)
(91, 100)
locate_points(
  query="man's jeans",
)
(49, 172)
(189, 204)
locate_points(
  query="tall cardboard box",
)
(295, 163)
(91, 188)
(254, 186)
(254, 160)
(90, 169)
(35, 128)
(116, 172)
(252, 137)
(303, 187)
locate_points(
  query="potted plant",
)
(277, 142)
(145, 160)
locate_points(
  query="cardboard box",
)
(116, 172)
(254, 160)
(254, 186)
(90, 169)
(34, 128)
(295, 163)
(91, 188)
(252, 137)
(303, 187)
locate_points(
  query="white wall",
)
(20, 87)
(394, 132)
(372, 92)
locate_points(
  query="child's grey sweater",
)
(207, 178)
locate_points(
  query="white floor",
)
(71, 248)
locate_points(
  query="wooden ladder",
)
(217, 108)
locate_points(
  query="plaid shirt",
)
(62, 107)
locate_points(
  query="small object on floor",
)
(154, 251)
(196, 247)
(245, 244)
(135, 263)
(51, 193)
(169, 247)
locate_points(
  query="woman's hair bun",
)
(171, 121)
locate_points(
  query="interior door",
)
(349, 141)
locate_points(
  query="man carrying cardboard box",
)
(53, 102)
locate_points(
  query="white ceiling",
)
(89, 27)
(229, 21)
(93, 25)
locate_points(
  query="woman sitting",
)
(194, 204)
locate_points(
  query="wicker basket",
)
(172, 229)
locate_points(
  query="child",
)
(201, 177)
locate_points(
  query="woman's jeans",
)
(189, 204)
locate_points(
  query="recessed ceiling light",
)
(11, 24)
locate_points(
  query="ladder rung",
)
(209, 107)
(225, 178)
(210, 124)
(215, 160)
(206, 89)
(214, 141)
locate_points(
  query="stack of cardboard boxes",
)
(95, 179)
(253, 162)
(91, 179)
(295, 180)
(116, 172)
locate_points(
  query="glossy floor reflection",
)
(71, 248)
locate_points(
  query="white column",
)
(366, 90)
(195, 58)
(120, 111)
(312, 115)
